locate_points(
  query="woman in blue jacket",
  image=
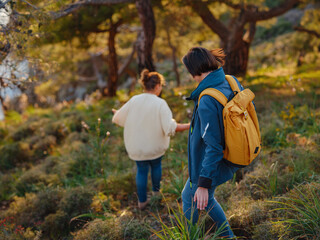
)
(207, 168)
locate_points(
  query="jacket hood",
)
(213, 79)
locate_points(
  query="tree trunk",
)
(237, 59)
(174, 57)
(2, 107)
(147, 36)
(237, 48)
(112, 63)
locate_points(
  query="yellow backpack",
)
(241, 126)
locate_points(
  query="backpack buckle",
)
(245, 114)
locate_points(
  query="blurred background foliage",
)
(64, 171)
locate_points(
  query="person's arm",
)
(211, 133)
(182, 127)
(168, 124)
(120, 115)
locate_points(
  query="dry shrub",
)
(7, 186)
(38, 177)
(13, 154)
(76, 201)
(119, 185)
(224, 191)
(43, 146)
(114, 227)
(249, 185)
(77, 136)
(246, 214)
(31, 210)
(56, 225)
(135, 229)
(23, 131)
(267, 231)
(278, 172)
(109, 229)
(3, 133)
(56, 129)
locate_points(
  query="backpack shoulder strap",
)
(216, 94)
(233, 83)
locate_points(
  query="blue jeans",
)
(142, 177)
(213, 208)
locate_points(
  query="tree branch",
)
(233, 5)
(254, 15)
(71, 8)
(302, 29)
(207, 17)
(31, 5)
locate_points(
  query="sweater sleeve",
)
(212, 136)
(168, 124)
(120, 116)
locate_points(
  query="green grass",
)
(302, 218)
(180, 228)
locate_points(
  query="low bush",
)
(135, 229)
(13, 154)
(7, 186)
(56, 129)
(246, 214)
(3, 133)
(268, 230)
(56, 225)
(30, 211)
(76, 201)
(38, 177)
(51, 211)
(98, 229)
(43, 146)
(77, 136)
(120, 185)
(22, 132)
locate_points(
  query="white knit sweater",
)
(148, 125)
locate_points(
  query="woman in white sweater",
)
(148, 125)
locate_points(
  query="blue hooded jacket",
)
(206, 141)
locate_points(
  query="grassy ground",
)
(65, 173)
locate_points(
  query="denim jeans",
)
(213, 208)
(142, 177)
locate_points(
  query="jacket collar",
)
(213, 79)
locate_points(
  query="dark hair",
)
(149, 80)
(200, 60)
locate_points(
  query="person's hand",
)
(201, 197)
(114, 110)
